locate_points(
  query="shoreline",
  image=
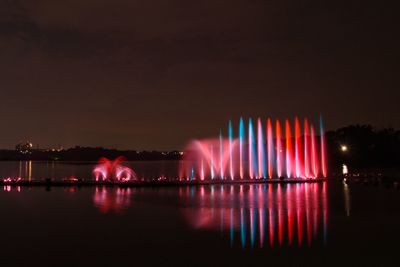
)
(91, 183)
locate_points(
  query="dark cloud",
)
(152, 74)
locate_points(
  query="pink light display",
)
(261, 153)
(113, 170)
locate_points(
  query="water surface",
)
(230, 225)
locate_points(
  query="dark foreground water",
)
(324, 224)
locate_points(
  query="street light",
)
(343, 148)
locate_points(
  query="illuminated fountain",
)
(113, 170)
(258, 152)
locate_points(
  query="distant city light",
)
(24, 147)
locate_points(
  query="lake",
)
(316, 224)
(147, 170)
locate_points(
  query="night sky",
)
(154, 74)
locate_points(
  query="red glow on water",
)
(308, 214)
(315, 199)
(290, 218)
(7, 188)
(270, 215)
(261, 226)
(112, 199)
(252, 230)
(325, 211)
(299, 215)
(252, 214)
(261, 213)
(280, 215)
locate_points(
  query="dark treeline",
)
(87, 154)
(367, 147)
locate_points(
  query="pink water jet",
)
(113, 170)
(289, 150)
(306, 149)
(200, 160)
(279, 149)
(258, 152)
(298, 148)
(270, 147)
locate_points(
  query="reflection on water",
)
(25, 170)
(248, 216)
(37, 170)
(256, 215)
(285, 225)
(9, 188)
(346, 193)
(112, 199)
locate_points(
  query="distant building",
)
(24, 147)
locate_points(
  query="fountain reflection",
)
(261, 215)
(25, 170)
(347, 201)
(112, 199)
(9, 188)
